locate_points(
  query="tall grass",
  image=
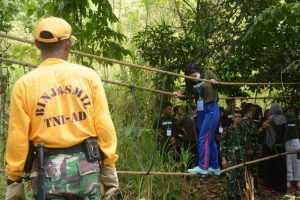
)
(136, 141)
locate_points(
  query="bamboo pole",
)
(1, 77)
(4, 35)
(139, 87)
(222, 171)
(189, 174)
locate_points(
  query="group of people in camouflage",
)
(248, 135)
(220, 138)
(239, 143)
(243, 134)
(62, 107)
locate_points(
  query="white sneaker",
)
(197, 170)
(216, 172)
(288, 184)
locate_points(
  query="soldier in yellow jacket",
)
(61, 105)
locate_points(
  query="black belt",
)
(68, 151)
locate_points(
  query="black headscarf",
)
(189, 89)
(278, 119)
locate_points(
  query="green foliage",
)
(91, 25)
(275, 36)
(269, 49)
(244, 41)
(241, 40)
(7, 12)
(290, 197)
(147, 187)
(159, 46)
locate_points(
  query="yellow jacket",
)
(60, 104)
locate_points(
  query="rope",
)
(3, 35)
(157, 128)
(135, 130)
(171, 94)
(246, 98)
(189, 174)
(222, 171)
(138, 87)
(141, 88)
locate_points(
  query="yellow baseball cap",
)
(53, 29)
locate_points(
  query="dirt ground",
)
(215, 189)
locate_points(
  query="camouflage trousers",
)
(235, 183)
(69, 177)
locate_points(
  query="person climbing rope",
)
(208, 114)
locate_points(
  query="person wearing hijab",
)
(275, 171)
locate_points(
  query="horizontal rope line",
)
(139, 87)
(3, 35)
(105, 59)
(222, 171)
(13, 61)
(189, 174)
(105, 81)
(245, 98)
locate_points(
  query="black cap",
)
(192, 68)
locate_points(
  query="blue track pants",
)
(208, 121)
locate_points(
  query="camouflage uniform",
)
(232, 144)
(250, 130)
(69, 176)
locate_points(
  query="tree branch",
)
(181, 18)
(189, 5)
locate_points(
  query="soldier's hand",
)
(224, 162)
(264, 127)
(172, 140)
(250, 153)
(15, 191)
(109, 182)
(266, 124)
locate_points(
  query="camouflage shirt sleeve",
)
(251, 134)
(223, 144)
